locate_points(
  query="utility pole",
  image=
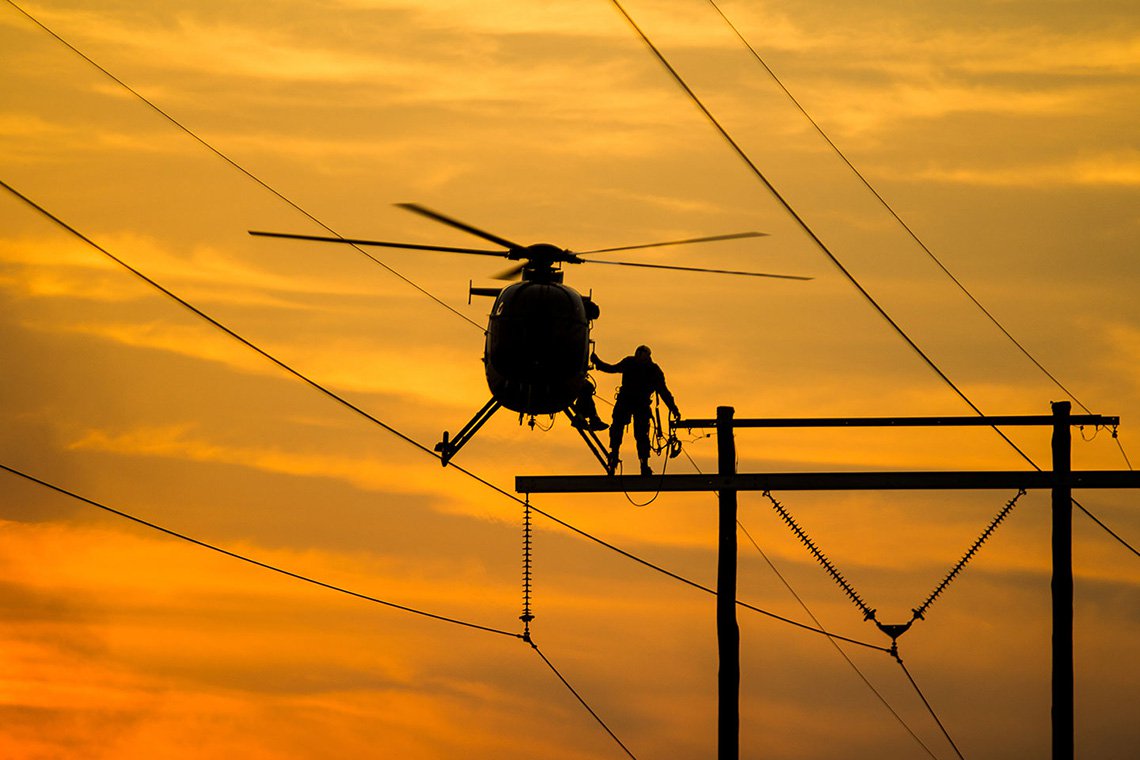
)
(1062, 583)
(727, 630)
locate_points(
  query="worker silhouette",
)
(640, 379)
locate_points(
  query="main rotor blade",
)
(710, 239)
(435, 215)
(696, 269)
(512, 273)
(379, 243)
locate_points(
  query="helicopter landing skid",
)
(597, 448)
(448, 447)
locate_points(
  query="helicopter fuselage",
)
(538, 344)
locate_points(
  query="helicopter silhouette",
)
(537, 350)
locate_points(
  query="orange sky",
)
(1003, 133)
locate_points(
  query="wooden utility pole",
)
(1062, 583)
(727, 630)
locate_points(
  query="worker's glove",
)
(593, 358)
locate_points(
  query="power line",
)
(319, 583)
(224, 157)
(582, 701)
(890, 210)
(929, 708)
(250, 560)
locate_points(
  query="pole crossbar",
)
(827, 481)
(1009, 420)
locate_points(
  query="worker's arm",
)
(667, 396)
(603, 366)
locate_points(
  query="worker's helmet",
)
(642, 352)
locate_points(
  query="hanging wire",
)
(582, 701)
(929, 707)
(815, 620)
(1119, 445)
(250, 560)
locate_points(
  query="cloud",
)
(1120, 169)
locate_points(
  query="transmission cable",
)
(375, 420)
(890, 210)
(250, 560)
(929, 708)
(329, 586)
(803, 225)
(217, 152)
(582, 701)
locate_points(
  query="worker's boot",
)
(645, 468)
(612, 464)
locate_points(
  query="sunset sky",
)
(1006, 134)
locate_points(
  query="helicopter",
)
(537, 350)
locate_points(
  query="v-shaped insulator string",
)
(894, 631)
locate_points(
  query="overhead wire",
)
(823, 247)
(929, 707)
(233, 163)
(375, 420)
(582, 701)
(251, 560)
(890, 210)
(321, 584)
